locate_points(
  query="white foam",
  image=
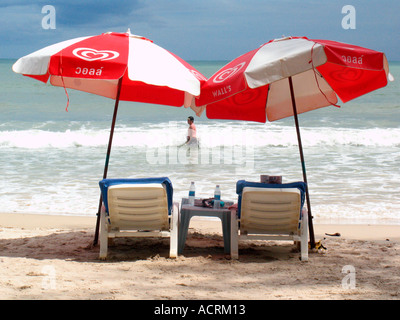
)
(168, 134)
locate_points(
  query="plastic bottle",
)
(192, 192)
(217, 197)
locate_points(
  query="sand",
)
(51, 258)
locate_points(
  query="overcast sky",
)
(201, 29)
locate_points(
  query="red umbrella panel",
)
(288, 76)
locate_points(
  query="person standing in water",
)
(191, 138)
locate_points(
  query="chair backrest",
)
(242, 184)
(138, 206)
(106, 183)
(135, 202)
(270, 210)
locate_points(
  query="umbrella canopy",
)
(255, 85)
(120, 66)
(288, 76)
(96, 64)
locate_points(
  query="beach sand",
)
(51, 257)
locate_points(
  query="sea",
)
(52, 159)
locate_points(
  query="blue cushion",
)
(242, 184)
(106, 183)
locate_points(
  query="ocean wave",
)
(166, 135)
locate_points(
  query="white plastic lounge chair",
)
(270, 212)
(138, 208)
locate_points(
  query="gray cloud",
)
(207, 29)
(81, 13)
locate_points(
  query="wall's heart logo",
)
(90, 54)
(347, 75)
(227, 73)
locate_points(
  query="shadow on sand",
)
(77, 246)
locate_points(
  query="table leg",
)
(226, 232)
(234, 236)
(183, 231)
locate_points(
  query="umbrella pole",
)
(96, 235)
(303, 165)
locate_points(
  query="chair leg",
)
(234, 236)
(103, 234)
(304, 235)
(173, 251)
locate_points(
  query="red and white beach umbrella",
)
(120, 66)
(255, 86)
(288, 76)
(101, 64)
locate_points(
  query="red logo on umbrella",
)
(90, 54)
(227, 73)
